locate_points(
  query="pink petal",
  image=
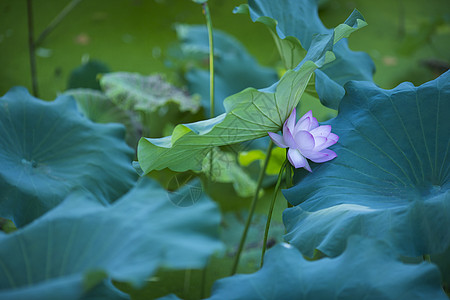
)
(290, 122)
(320, 140)
(289, 139)
(325, 145)
(277, 139)
(297, 160)
(308, 115)
(314, 124)
(323, 130)
(304, 122)
(320, 157)
(302, 125)
(333, 137)
(304, 140)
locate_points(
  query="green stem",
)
(66, 10)
(31, 49)
(211, 58)
(203, 283)
(252, 208)
(269, 215)
(187, 282)
(207, 14)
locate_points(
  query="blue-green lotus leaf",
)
(249, 115)
(366, 270)
(390, 179)
(70, 250)
(293, 24)
(48, 148)
(234, 68)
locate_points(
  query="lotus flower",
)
(306, 139)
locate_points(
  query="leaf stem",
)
(211, 58)
(207, 14)
(252, 208)
(66, 10)
(31, 49)
(269, 215)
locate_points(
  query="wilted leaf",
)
(145, 93)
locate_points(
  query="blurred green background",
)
(408, 40)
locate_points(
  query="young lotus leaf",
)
(226, 169)
(70, 250)
(48, 148)
(145, 93)
(293, 24)
(249, 115)
(390, 179)
(234, 68)
(95, 106)
(366, 270)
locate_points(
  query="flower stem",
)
(269, 215)
(252, 208)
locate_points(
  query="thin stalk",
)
(207, 14)
(31, 49)
(203, 283)
(252, 208)
(66, 10)
(211, 58)
(269, 215)
(187, 282)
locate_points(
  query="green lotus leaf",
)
(226, 169)
(249, 115)
(145, 93)
(69, 251)
(390, 179)
(95, 106)
(293, 24)
(48, 148)
(234, 68)
(366, 270)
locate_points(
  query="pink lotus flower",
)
(306, 139)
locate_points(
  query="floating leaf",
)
(390, 179)
(75, 246)
(145, 93)
(293, 24)
(366, 270)
(234, 68)
(95, 106)
(249, 115)
(48, 148)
